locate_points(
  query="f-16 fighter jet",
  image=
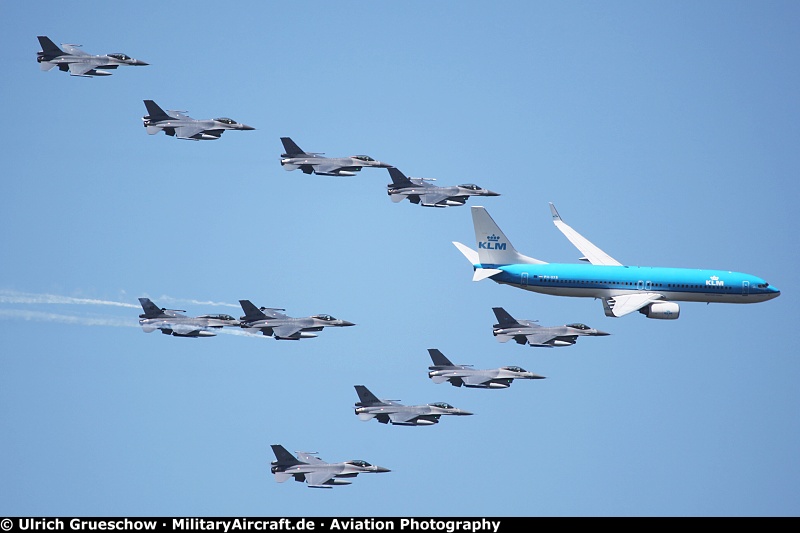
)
(458, 375)
(528, 332)
(389, 411)
(271, 322)
(173, 322)
(77, 62)
(180, 125)
(314, 162)
(314, 471)
(419, 191)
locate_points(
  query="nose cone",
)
(491, 193)
(461, 412)
(344, 323)
(531, 375)
(139, 63)
(598, 333)
(245, 127)
(381, 164)
(381, 469)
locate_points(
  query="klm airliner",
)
(652, 291)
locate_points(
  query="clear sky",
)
(665, 132)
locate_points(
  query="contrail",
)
(66, 319)
(164, 298)
(11, 297)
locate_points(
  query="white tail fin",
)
(494, 248)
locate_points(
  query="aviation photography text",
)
(226, 525)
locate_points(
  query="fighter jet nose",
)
(601, 333)
(382, 469)
(141, 63)
(246, 127)
(464, 413)
(346, 323)
(492, 193)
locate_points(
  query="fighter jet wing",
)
(318, 478)
(187, 132)
(326, 168)
(433, 198)
(285, 331)
(309, 458)
(81, 68)
(539, 338)
(622, 305)
(74, 50)
(475, 380)
(402, 417)
(591, 253)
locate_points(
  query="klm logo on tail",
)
(492, 243)
(715, 281)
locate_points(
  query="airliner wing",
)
(591, 253)
(622, 305)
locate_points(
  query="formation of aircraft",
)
(419, 191)
(496, 378)
(180, 125)
(174, 322)
(392, 412)
(271, 322)
(653, 291)
(531, 333)
(79, 63)
(315, 162)
(315, 472)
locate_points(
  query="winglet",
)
(591, 253)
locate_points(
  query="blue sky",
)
(666, 133)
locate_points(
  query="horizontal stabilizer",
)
(483, 273)
(469, 253)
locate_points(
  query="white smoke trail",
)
(12, 297)
(169, 299)
(66, 319)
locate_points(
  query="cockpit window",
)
(121, 57)
(470, 186)
(515, 368)
(443, 405)
(324, 317)
(578, 325)
(359, 462)
(363, 157)
(226, 120)
(218, 317)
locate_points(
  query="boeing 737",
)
(653, 291)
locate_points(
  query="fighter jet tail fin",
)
(49, 48)
(366, 397)
(150, 309)
(291, 148)
(398, 178)
(153, 110)
(439, 358)
(284, 457)
(251, 312)
(504, 319)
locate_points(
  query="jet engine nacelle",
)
(662, 311)
(424, 422)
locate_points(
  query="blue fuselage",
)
(600, 281)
